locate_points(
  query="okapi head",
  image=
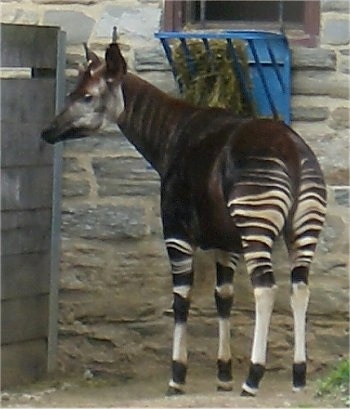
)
(98, 96)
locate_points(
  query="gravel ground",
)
(275, 392)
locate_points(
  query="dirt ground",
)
(59, 391)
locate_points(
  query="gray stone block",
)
(125, 176)
(305, 113)
(344, 61)
(315, 83)
(105, 222)
(72, 165)
(100, 143)
(340, 118)
(151, 59)
(74, 187)
(142, 21)
(309, 83)
(338, 90)
(69, 2)
(313, 58)
(342, 196)
(19, 16)
(76, 24)
(335, 5)
(160, 2)
(131, 168)
(336, 32)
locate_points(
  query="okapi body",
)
(228, 183)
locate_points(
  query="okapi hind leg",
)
(259, 205)
(225, 266)
(181, 260)
(299, 303)
(264, 301)
(306, 227)
(257, 245)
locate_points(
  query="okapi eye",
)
(88, 98)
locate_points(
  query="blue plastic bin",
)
(269, 66)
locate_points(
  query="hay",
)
(214, 82)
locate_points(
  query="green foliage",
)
(214, 82)
(337, 382)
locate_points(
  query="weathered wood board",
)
(28, 192)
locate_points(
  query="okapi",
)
(228, 183)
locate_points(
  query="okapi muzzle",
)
(64, 127)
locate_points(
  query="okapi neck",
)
(152, 121)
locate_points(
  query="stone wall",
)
(115, 288)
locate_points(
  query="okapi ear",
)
(115, 63)
(91, 58)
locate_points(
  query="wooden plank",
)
(52, 341)
(42, 91)
(24, 275)
(21, 124)
(24, 319)
(23, 362)
(26, 240)
(23, 145)
(25, 231)
(28, 46)
(26, 188)
(13, 220)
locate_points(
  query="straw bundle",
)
(213, 82)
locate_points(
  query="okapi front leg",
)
(225, 266)
(180, 255)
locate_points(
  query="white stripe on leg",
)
(224, 352)
(180, 343)
(299, 302)
(264, 301)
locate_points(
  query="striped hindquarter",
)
(262, 203)
(259, 205)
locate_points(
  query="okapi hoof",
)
(224, 386)
(174, 390)
(299, 376)
(298, 389)
(248, 392)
